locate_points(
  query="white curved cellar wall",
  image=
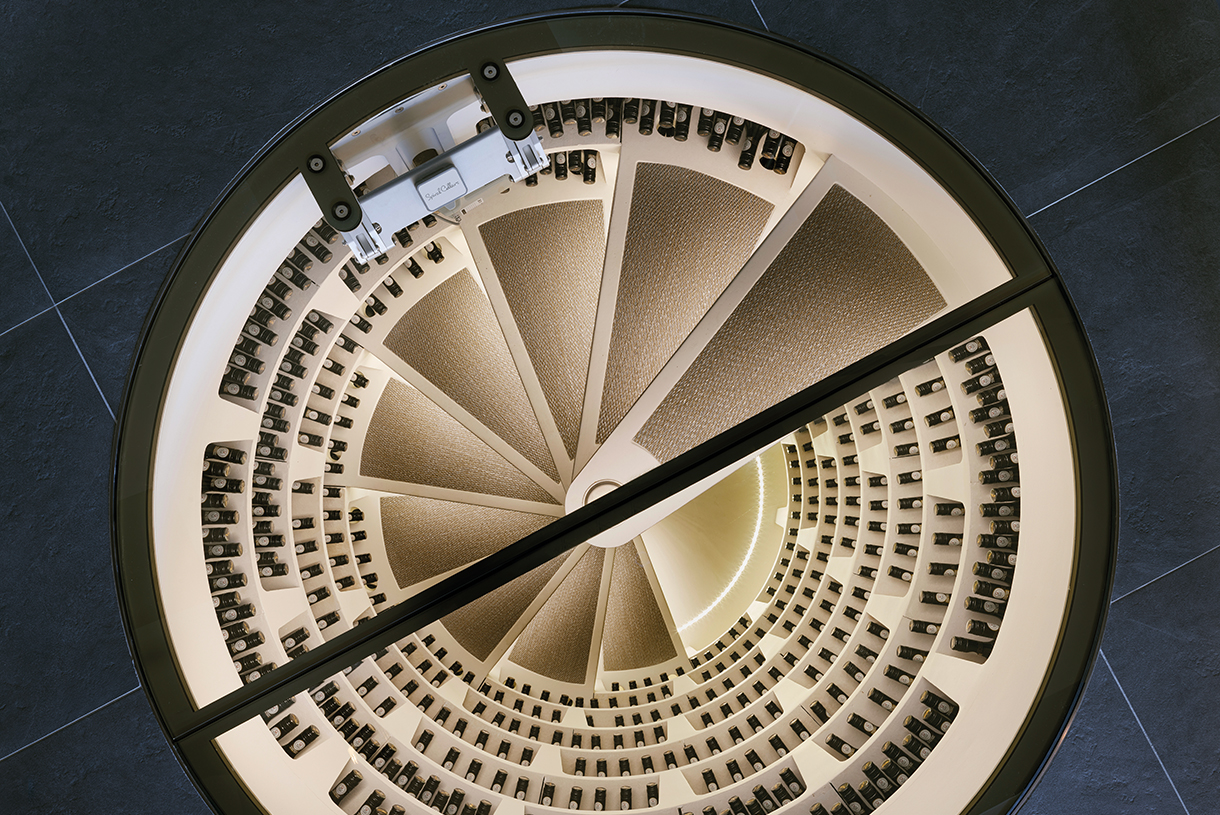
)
(955, 253)
(983, 730)
(194, 416)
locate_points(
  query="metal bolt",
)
(515, 118)
(341, 210)
(316, 163)
(490, 71)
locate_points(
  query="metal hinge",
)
(512, 149)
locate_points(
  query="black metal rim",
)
(1034, 285)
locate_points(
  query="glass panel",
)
(366, 429)
(813, 629)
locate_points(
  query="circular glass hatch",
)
(614, 411)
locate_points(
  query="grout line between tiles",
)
(17, 235)
(1171, 571)
(37, 273)
(74, 721)
(760, 17)
(1155, 754)
(86, 364)
(91, 285)
(1116, 169)
(27, 319)
(55, 306)
(121, 268)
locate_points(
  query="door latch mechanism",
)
(511, 148)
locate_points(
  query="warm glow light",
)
(740, 569)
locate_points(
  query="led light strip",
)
(744, 561)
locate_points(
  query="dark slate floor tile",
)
(1049, 95)
(1140, 253)
(22, 294)
(1104, 764)
(62, 641)
(115, 760)
(741, 12)
(1161, 642)
(106, 318)
(121, 129)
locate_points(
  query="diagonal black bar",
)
(662, 482)
(277, 165)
